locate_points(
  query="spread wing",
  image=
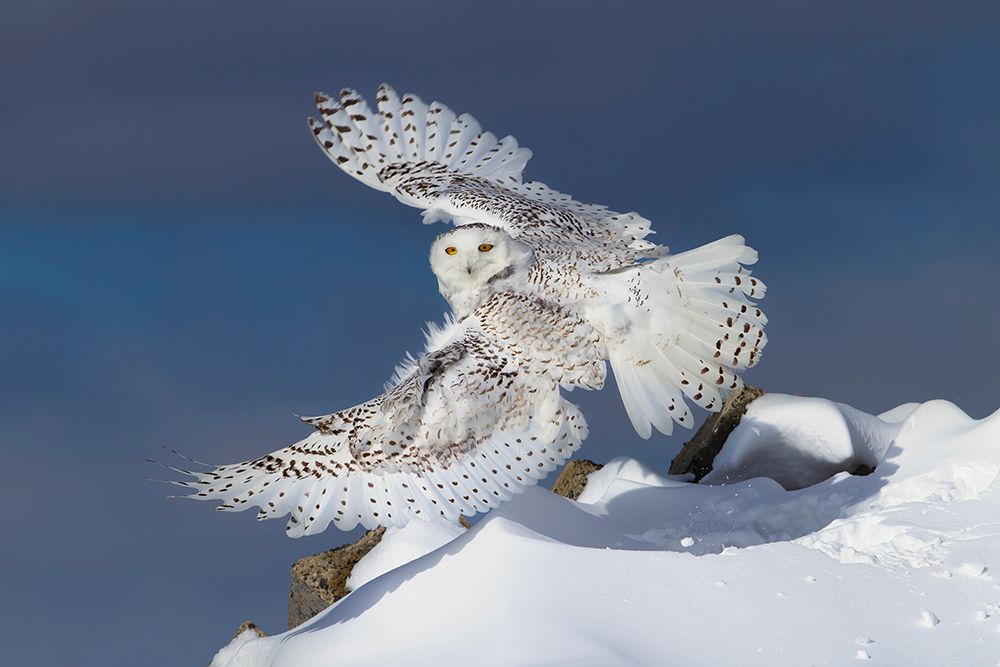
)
(472, 421)
(448, 166)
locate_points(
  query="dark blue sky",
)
(179, 264)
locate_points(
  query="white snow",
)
(399, 546)
(897, 567)
(227, 652)
(801, 441)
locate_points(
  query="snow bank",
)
(226, 654)
(897, 566)
(399, 546)
(799, 441)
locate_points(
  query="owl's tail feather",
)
(406, 131)
(691, 324)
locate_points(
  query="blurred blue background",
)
(180, 266)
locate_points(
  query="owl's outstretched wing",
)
(448, 166)
(469, 423)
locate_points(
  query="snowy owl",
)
(544, 291)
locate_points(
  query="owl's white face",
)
(468, 260)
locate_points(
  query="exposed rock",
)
(320, 580)
(248, 631)
(698, 453)
(249, 625)
(573, 478)
(862, 470)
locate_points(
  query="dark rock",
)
(698, 453)
(320, 580)
(573, 478)
(861, 470)
(248, 625)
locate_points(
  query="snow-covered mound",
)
(896, 566)
(799, 441)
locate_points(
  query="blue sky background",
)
(179, 264)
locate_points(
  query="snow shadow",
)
(704, 519)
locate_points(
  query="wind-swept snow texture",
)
(898, 567)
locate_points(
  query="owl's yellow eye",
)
(485, 247)
(451, 250)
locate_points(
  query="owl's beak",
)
(468, 268)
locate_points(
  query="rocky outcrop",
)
(697, 455)
(573, 478)
(249, 625)
(248, 631)
(320, 580)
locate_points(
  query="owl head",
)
(471, 261)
